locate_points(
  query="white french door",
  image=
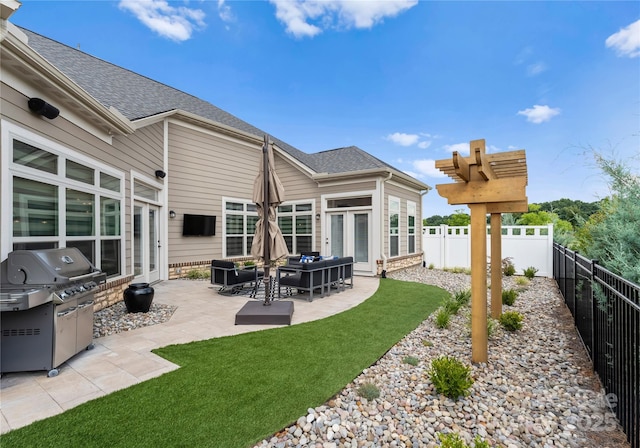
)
(349, 235)
(146, 242)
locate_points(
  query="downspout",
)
(382, 233)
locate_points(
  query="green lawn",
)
(235, 391)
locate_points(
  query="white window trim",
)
(10, 132)
(293, 214)
(225, 212)
(390, 200)
(411, 204)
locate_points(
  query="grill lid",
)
(46, 266)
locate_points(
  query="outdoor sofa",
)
(229, 277)
(316, 277)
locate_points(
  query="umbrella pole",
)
(265, 210)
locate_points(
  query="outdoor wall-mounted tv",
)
(199, 225)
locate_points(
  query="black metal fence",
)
(606, 311)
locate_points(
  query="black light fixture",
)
(172, 214)
(41, 107)
(160, 174)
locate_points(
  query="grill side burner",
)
(46, 308)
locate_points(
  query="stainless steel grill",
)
(46, 308)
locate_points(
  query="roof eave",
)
(372, 173)
(16, 49)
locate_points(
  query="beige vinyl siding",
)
(203, 169)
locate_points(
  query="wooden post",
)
(479, 338)
(496, 265)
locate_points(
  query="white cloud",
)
(626, 42)
(424, 144)
(297, 14)
(427, 167)
(224, 12)
(462, 148)
(175, 23)
(402, 139)
(536, 69)
(539, 114)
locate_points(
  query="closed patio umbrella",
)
(268, 243)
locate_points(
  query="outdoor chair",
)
(231, 279)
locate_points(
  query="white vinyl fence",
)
(528, 246)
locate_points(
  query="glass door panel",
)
(337, 232)
(361, 237)
(154, 244)
(137, 240)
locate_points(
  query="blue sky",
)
(406, 81)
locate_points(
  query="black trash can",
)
(138, 297)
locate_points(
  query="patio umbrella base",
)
(256, 313)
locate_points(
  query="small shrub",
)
(369, 391)
(457, 270)
(450, 377)
(491, 326)
(249, 263)
(462, 297)
(453, 440)
(442, 318)
(511, 320)
(427, 343)
(522, 281)
(451, 306)
(197, 274)
(508, 268)
(478, 442)
(412, 360)
(530, 272)
(509, 296)
(432, 266)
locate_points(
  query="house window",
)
(66, 207)
(411, 227)
(296, 223)
(394, 226)
(239, 227)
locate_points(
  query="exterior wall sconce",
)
(40, 107)
(160, 174)
(172, 214)
(317, 216)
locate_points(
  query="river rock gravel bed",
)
(537, 390)
(116, 319)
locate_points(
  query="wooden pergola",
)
(494, 184)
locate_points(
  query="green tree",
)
(611, 235)
(459, 218)
(434, 220)
(538, 217)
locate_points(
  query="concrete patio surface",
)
(122, 360)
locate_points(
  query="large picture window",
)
(296, 223)
(394, 226)
(59, 201)
(239, 227)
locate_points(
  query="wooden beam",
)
(479, 338)
(508, 207)
(478, 151)
(509, 189)
(461, 166)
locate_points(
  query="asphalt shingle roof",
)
(137, 97)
